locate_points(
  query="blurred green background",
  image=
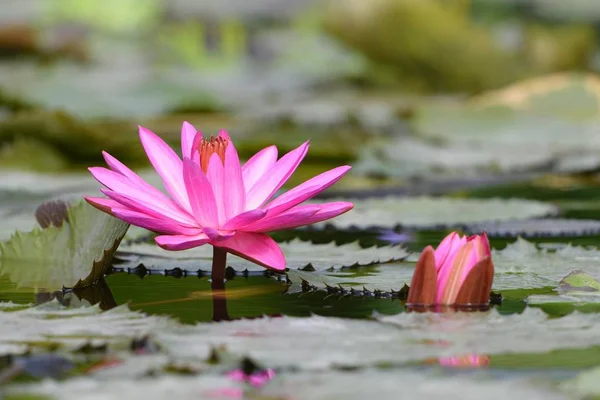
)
(382, 84)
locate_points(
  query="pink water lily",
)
(459, 271)
(213, 199)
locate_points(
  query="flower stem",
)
(218, 265)
(219, 301)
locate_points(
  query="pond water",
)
(82, 319)
(336, 326)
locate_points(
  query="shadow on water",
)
(192, 299)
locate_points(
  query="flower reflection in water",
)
(465, 361)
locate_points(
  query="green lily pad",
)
(520, 265)
(299, 254)
(431, 212)
(569, 95)
(77, 253)
(317, 385)
(385, 278)
(51, 324)
(411, 157)
(578, 281)
(524, 265)
(577, 288)
(394, 340)
(552, 227)
(520, 127)
(585, 385)
(22, 192)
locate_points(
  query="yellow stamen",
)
(208, 147)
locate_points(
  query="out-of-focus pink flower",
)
(466, 361)
(459, 272)
(213, 198)
(256, 379)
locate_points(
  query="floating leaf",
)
(320, 342)
(53, 324)
(116, 387)
(299, 254)
(410, 157)
(524, 265)
(557, 227)
(77, 253)
(586, 385)
(385, 278)
(520, 265)
(577, 287)
(430, 212)
(315, 385)
(565, 94)
(22, 192)
(517, 128)
(578, 281)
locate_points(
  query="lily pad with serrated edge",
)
(520, 265)
(77, 253)
(435, 212)
(299, 254)
(578, 288)
(539, 227)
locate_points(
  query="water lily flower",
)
(459, 272)
(213, 199)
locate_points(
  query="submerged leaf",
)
(77, 253)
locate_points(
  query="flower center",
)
(208, 147)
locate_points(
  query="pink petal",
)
(200, 193)
(195, 153)
(485, 249)
(445, 268)
(306, 190)
(258, 165)
(121, 168)
(103, 204)
(285, 219)
(270, 182)
(188, 133)
(450, 277)
(234, 194)
(237, 375)
(216, 235)
(257, 248)
(260, 378)
(245, 218)
(122, 186)
(447, 247)
(223, 134)
(215, 176)
(181, 242)
(168, 165)
(129, 203)
(475, 256)
(163, 226)
(327, 211)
